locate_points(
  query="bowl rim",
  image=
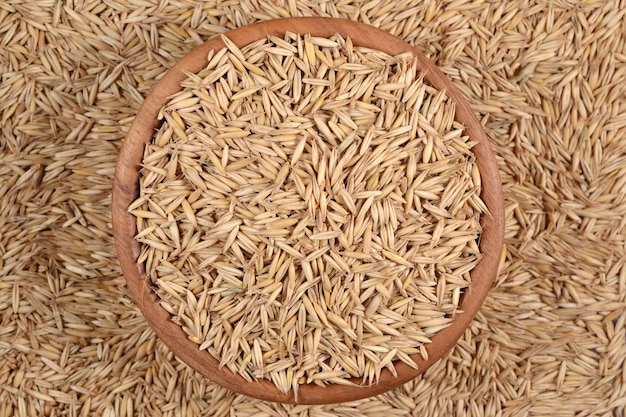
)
(125, 190)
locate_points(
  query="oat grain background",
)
(546, 78)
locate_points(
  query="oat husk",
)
(547, 81)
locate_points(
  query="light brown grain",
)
(561, 155)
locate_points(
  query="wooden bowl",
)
(126, 189)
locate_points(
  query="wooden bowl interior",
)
(125, 190)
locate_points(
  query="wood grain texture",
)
(125, 190)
